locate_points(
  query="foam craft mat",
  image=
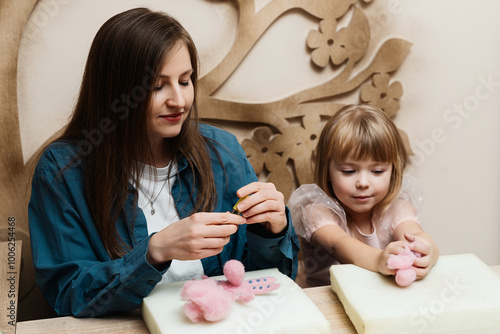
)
(285, 310)
(461, 294)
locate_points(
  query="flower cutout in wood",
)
(383, 95)
(265, 152)
(348, 43)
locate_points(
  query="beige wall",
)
(450, 108)
(451, 112)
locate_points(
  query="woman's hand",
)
(196, 237)
(265, 205)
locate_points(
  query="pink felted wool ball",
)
(234, 271)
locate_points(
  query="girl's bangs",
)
(360, 143)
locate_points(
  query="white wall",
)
(450, 108)
(451, 112)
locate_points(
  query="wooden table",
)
(132, 322)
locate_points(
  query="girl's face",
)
(360, 184)
(172, 97)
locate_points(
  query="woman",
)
(136, 190)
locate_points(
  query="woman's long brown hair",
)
(109, 120)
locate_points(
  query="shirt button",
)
(151, 282)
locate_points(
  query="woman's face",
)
(172, 97)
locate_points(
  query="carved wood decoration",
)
(282, 143)
(282, 133)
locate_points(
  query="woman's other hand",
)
(264, 204)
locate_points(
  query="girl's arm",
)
(420, 242)
(347, 249)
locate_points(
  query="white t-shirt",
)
(158, 189)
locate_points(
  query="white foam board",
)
(461, 294)
(285, 310)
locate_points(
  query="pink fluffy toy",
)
(403, 262)
(212, 300)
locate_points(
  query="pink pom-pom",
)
(404, 277)
(234, 272)
(403, 262)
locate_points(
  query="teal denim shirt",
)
(73, 269)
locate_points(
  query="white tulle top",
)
(312, 208)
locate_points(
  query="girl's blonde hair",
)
(360, 132)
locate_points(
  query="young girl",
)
(362, 209)
(136, 190)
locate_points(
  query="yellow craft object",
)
(235, 209)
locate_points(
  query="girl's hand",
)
(265, 205)
(429, 251)
(396, 248)
(196, 237)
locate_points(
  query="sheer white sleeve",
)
(408, 205)
(312, 208)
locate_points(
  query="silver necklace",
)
(152, 201)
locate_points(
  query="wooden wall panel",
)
(283, 133)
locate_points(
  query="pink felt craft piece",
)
(211, 300)
(262, 285)
(206, 300)
(245, 291)
(403, 262)
(235, 272)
